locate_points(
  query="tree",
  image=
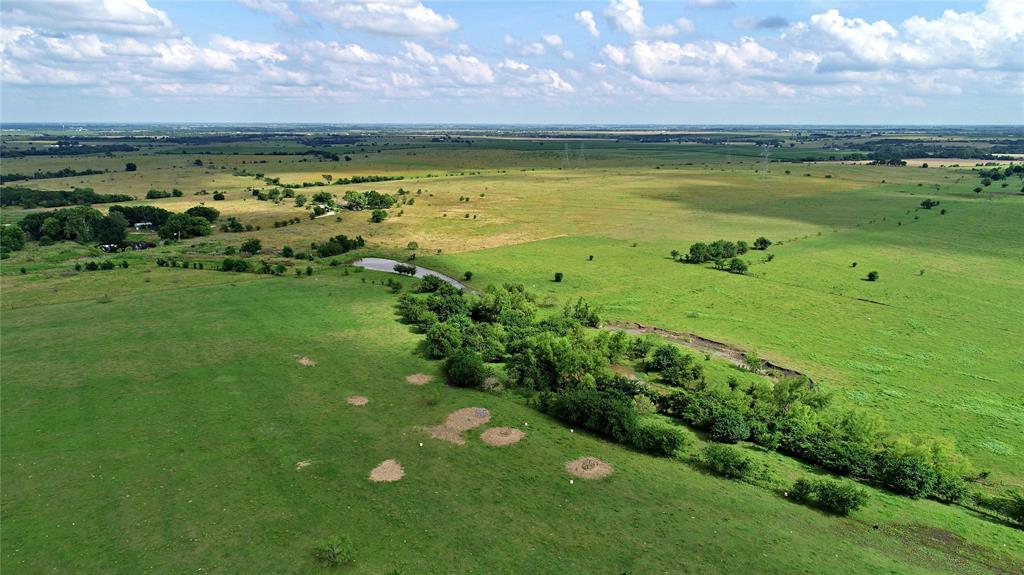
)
(442, 340)
(300, 200)
(558, 277)
(378, 216)
(252, 246)
(762, 243)
(929, 203)
(287, 252)
(737, 266)
(467, 276)
(12, 238)
(112, 229)
(181, 226)
(210, 214)
(872, 276)
(742, 247)
(465, 368)
(674, 254)
(309, 270)
(130, 167)
(52, 229)
(218, 196)
(729, 426)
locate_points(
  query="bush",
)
(12, 238)
(729, 426)
(737, 266)
(762, 243)
(657, 438)
(726, 461)
(406, 269)
(443, 339)
(949, 488)
(378, 216)
(872, 276)
(908, 474)
(558, 277)
(209, 214)
(609, 413)
(252, 246)
(840, 498)
(465, 368)
(218, 196)
(335, 551)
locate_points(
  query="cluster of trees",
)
(366, 180)
(208, 213)
(837, 497)
(158, 194)
(12, 238)
(370, 200)
(793, 417)
(929, 203)
(81, 224)
(138, 214)
(337, 245)
(29, 198)
(41, 175)
(996, 173)
(284, 223)
(701, 252)
(66, 148)
(568, 366)
(183, 226)
(104, 265)
(235, 226)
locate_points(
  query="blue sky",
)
(612, 61)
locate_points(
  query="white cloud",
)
(122, 17)
(628, 16)
(417, 53)
(586, 19)
(278, 8)
(553, 40)
(391, 17)
(348, 53)
(247, 50)
(711, 4)
(551, 82)
(468, 69)
(510, 64)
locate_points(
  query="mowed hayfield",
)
(175, 429)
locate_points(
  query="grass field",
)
(153, 418)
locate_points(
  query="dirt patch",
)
(388, 470)
(733, 355)
(501, 436)
(624, 371)
(306, 361)
(588, 468)
(958, 554)
(357, 400)
(459, 422)
(419, 378)
(302, 464)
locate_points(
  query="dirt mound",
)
(588, 468)
(459, 422)
(501, 436)
(388, 470)
(357, 400)
(419, 378)
(306, 361)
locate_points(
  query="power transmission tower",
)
(583, 155)
(765, 150)
(566, 162)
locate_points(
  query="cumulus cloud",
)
(586, 19)
(628, 16)
(123, 17)
(468, 69)
(277, 8)
(417, 53)
(390, 17)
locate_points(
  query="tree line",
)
(30, 198)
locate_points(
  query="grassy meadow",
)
(153, 418)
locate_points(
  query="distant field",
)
(160, 425)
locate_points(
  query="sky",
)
(500, 62)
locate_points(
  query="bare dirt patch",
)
(302, 464)
(459, 422)
(501, 436)
(388, 470)
(357, 400)
(588, 468)
(419, 378)
(306, 361)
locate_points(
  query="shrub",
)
(762, 243)
(737, 266)
(872, 276)
(729, 426)
(378, 216)
(726, 461)
(909, 474)
(840, 498)
(658, 438)
(12, 238)
(558, 277)
(218, 196)
(442, 340)
(644, 405)
(949, 487)
(405, 269)
(335, 551)
(252, 246)
(467, 276)
(287, 252)
(465, 368)
(608, 413)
